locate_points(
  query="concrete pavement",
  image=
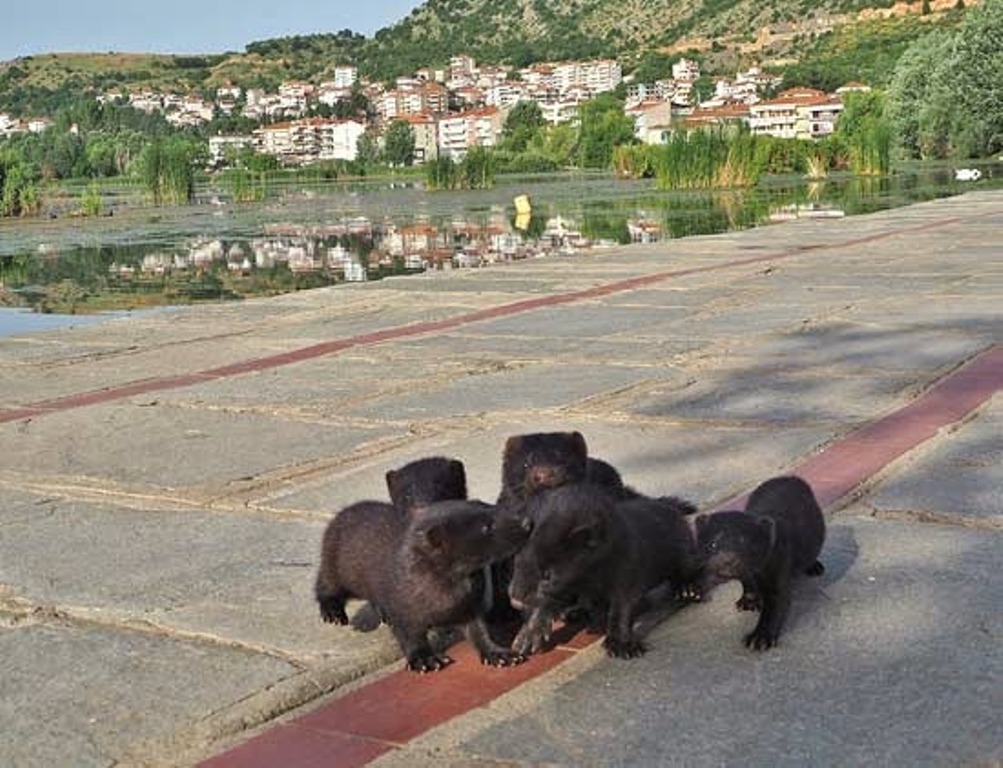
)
(167, 477)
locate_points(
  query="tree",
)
(866, 132)
(399, 143)
(367, 150)
(945, 92)
(18, 193)
(522, 124)
(978, 77)
(920, 125)
(603, 127)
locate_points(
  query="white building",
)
(474, 128)
(345, 76)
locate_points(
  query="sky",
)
(180, 26)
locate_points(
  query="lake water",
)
(17, 321)
(314, 235)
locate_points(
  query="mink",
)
(588, 545)
(533, 463)
(414, 485)
(778, 536)
(540, 460)
(424, 570)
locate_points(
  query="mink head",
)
(461, 537)
(543, 460)
(569, 546)
(426, 481)
(733, 544)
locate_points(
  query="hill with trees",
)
(812, 42)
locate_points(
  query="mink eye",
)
(487, 527)
(545, 574)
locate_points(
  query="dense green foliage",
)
(168, 169)
(18, 191)
(602, 127)
(945, 95)
(399, 143)
(866, 133)
(475, 171)
(522, 124)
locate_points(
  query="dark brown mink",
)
(779, 536)
(424, 571)
(414, 485)
(588, 545)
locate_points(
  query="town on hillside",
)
(453, 109)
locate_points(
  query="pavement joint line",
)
(391, 704)
(61, 615)
(334, 346)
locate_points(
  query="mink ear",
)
(701, 522)
(459, 474)
(579, 442)
(512, 445)
(390, 475)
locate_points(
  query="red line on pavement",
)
(147, 386)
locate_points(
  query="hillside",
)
(840, 39)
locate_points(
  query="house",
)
(686, 70)
(652, 121)
(718, 115)
(797, 113)
(345, 76)
(559, 111)
(220, 146)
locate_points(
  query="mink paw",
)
(333, 614)
(688, 593)
(427, 662)
(815, 569)
(366, 619)
(749, 602)
(530, 640)
(502, 658)
(760, 639)
(624, 649)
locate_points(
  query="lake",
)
(310, 235)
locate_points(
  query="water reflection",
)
(311, 246)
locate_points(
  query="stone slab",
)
(244, 579)
(146, 443)
(83, 695)
(959, 476)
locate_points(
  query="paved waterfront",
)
(167, 479)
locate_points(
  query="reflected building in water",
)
(358, 248)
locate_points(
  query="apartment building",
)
(474, 128)
(345, 76)
(596, 76)
(304, 141)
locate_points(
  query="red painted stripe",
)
(358, 727)
(130, 389)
